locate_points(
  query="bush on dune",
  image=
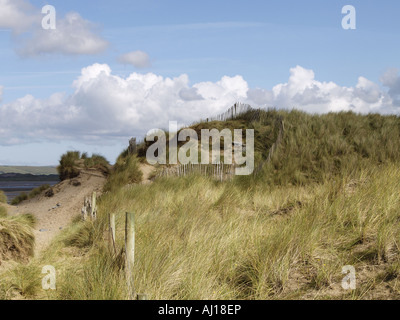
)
(35, 192)
(72, 162)
(67, 168)
(18, 199)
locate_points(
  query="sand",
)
(56, 212)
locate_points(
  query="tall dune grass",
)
(16, 237)
(329, 198)
(199, 239)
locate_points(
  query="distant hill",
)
(29, 170)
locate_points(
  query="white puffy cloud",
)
(138, 59)
(105, 106)
(303, 92)
(17, 15)
(73, 35)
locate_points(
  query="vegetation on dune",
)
(317, 147)
(72, 162)
(201, 239)
(126, 171)
(18, 199)
(16, 237)
(328, 198)
(35, 192)
(67, 168)
(314, 147)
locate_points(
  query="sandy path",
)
(147, 170)
(55, 213)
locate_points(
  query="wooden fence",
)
(89, 209)
(234, 111)
(89, 212)
(218, 171)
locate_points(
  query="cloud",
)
(138, 59)
(303, 92)
(17, 15)
(190, 94)
(1, 93)
(391, 80)
(73, 34)
(105, 106)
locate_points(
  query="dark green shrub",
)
(67, 168)
(17, 200)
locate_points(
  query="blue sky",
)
(196, 59)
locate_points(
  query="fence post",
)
(130, 249)
(132, 146)
(93, 209)
(112, 233)
(84, 209)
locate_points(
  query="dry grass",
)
(198, 239)
(329, 198)
(16, 237)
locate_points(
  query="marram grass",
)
(329, 198)
(198, 239)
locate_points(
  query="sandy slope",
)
(147, 170)
(57, 212)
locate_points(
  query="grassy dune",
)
(199, 239)
(328, 198)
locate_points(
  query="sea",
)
(14, 188)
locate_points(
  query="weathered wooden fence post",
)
(130, 249)
(132, 146)
(93, 208)
(112, 234)
(84, 209)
